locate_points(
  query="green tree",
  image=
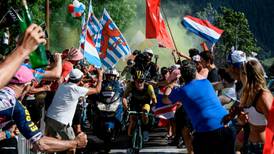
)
(236, 31)
(37, 15)
(64, 29)
(209, 13)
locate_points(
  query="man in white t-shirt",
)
(60, 113)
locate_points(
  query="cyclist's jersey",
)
(141, 97)
(11, 110)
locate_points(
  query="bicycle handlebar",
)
(139, 113)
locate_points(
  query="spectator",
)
(199, 66)
(70, 58)
(256, 99)
(227, 88)
(205, 112)
(207, 61)
(35, 107)
(13, 111)
(235, 60)
(127, 70)
(60, 113)
(33, 36)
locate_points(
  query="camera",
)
(136, 52)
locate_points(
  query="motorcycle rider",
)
(111, 92)
(141, 94)
(143, 62)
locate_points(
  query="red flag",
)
(155, 25)
(269, 132)
(152, 15)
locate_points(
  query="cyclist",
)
(141, 95)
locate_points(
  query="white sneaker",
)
(146, 136)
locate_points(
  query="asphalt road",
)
(158, 144)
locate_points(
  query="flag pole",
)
(169, 28)
(181, 55)
(47, 23)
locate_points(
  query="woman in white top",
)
(256, 99)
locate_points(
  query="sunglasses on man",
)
(139, 81)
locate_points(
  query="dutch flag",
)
(202, 28)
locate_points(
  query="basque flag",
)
(202, 28)
(110, 42)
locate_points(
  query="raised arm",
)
(56, 71)
(98, 87)
(33, 36)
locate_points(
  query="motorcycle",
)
(109, 112)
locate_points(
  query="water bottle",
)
(38, 58)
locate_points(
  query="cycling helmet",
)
(138, 75)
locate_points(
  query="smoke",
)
(175, 11)
(64, 29)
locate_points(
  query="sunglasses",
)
(139, 81)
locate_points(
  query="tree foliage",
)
(64, 29)
(236, 31)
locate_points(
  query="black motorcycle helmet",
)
(138, 75)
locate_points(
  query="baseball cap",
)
(175, 74)
(236, 58)
(196, 58)
(22, 76)
(75, 74)
(75, 54)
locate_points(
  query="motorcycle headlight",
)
(108, 107)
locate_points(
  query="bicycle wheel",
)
(137, 138)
